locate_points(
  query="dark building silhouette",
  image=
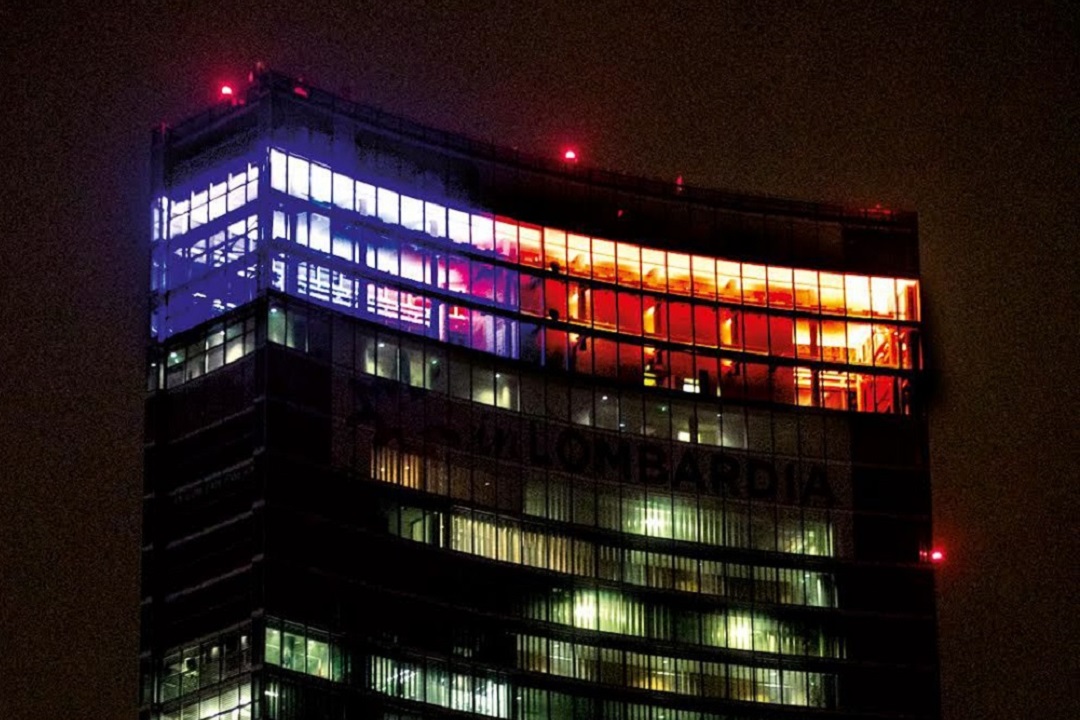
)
(438, 430)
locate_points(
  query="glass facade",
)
(597, 307)
(434, 433)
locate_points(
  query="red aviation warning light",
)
(570, 155)
(227, 93)
(934, 556)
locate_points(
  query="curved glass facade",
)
(434, 432)
(693, 323)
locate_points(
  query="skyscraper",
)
(436, 429)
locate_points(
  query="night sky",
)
(965, 112)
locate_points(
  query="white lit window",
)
(313, 280)
(277, 170)
(388, 206)
(217, 200)
(459, 226)
(252, 182)
(343, 191)
(281, 227)
(412, 213)
(319, 235)
(237, 190)
(435, 219)
(216, 250)
(298, 177)
(483, 233)
(200, 210)
(412, 263)
(343, 247)
(156, 213)
(365, 198)
(344, 290)
(321, 186)
(277, 272)
(386, 258)
(302, 228)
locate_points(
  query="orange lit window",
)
(579, 260)
(704, 272)
(883, 297)
(679, 280)
(781, 290)
(603, 260)
(907, 298)
(832, 293)
(555, 250)
(629, 263)
(506, 240)
(729, 281)
(806, 290)
(532, 251)
(857, 294)
(754, 285)
(653, 269)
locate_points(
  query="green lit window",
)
(713, 521)
(430, 682)
(672, 675)
(508, 540)
(199, 664)
(296, 648)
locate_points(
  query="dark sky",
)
(967, 112)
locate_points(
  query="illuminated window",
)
(781, 289)
(432, 683)
(668, 674)
(508, 540)
(754, 284)
(555, 250)
(458, 226)
(365, 198)
(278, 170)
(603, 260)
(388, 209)
(319, 233)
(483, 233)
(435, 219)
(343, 192)
(185, 670)
(557, 254)
(679, 280)
(299, 180)
(232, 703)
(857, 295)
(578, 255)
(654, 269)
(295, 648)
(530, 246)
(321, 184)
(412, 213)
